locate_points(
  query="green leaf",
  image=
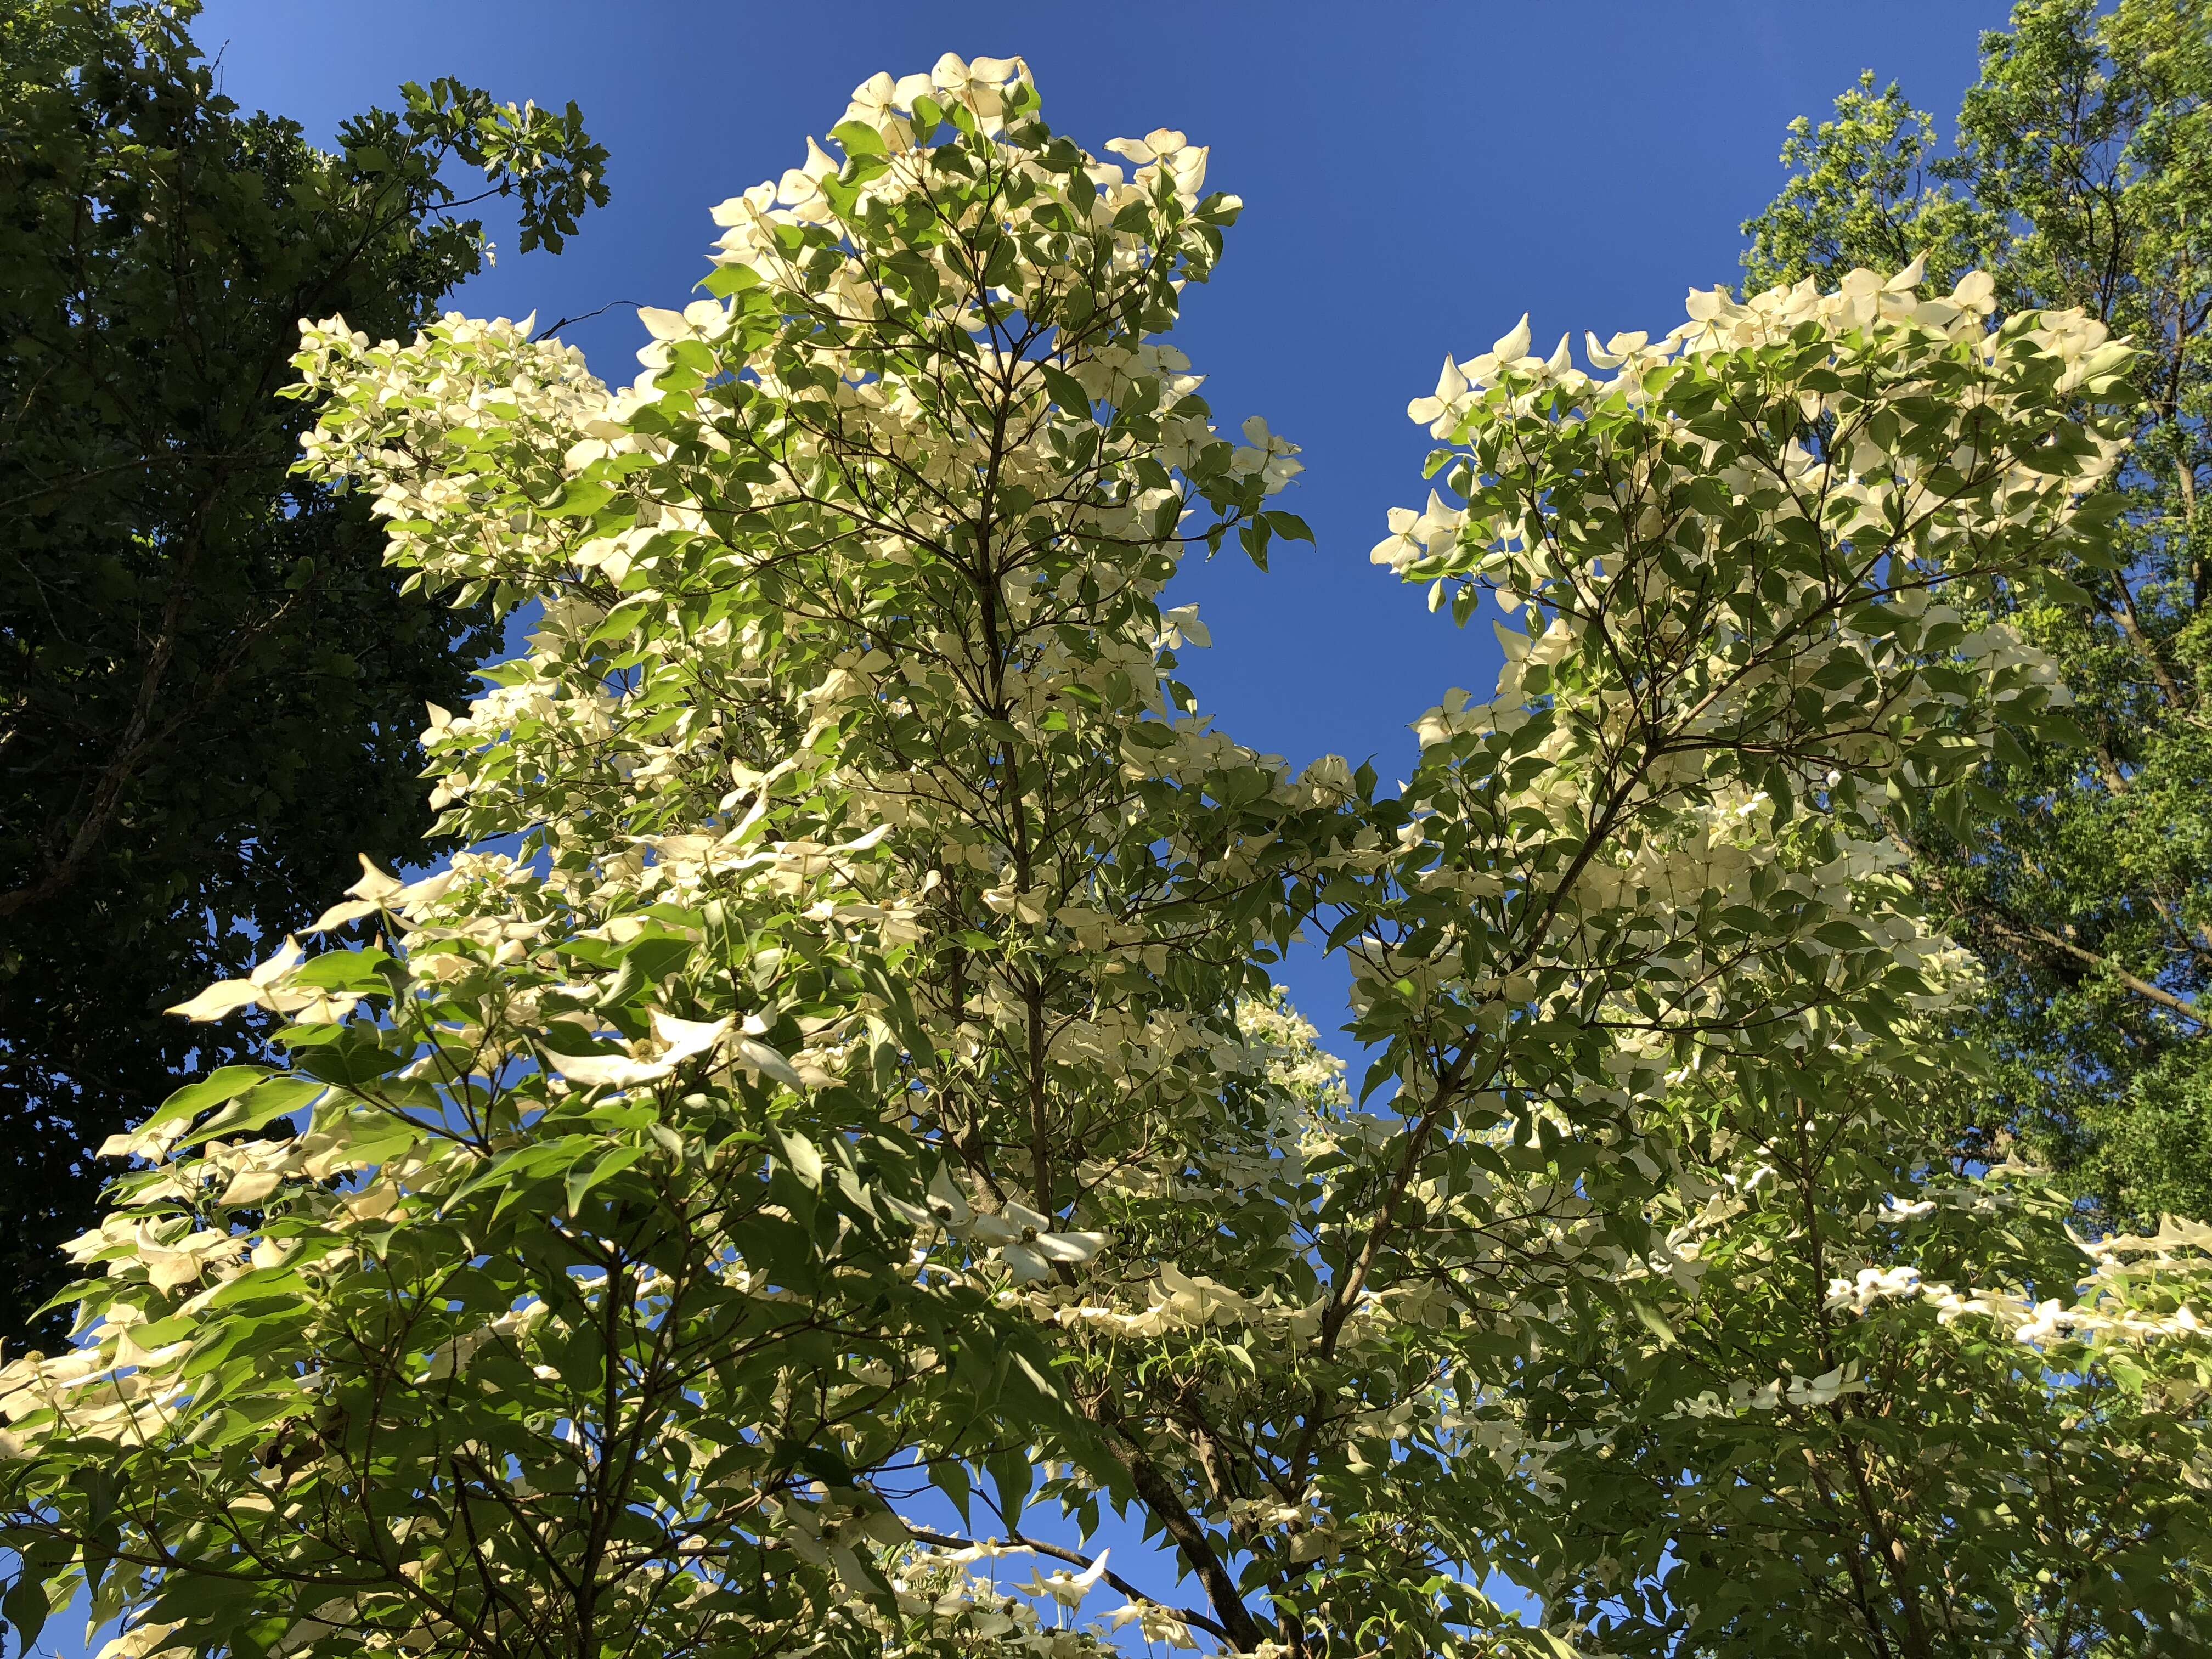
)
(25, 1609)
(225, 1084)
(725, 280)
(858, 138)
(275, 1098)
(1011, 1474)
(950, 1476)
(801, 1156)
(1648, 1315)
(356, 1059)
(582, 1181)
(1066, 390)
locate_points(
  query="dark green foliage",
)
(2080, 175)
(1953, 1499)
(210, 687)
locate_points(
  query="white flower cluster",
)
(2138, 1289)
(1803, 1393)
(1873, 1284)
(1029, 1243)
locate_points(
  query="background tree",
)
(1815, 1434)
(865, 1076)
(209, 684)
(2081, 174)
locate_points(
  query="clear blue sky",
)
(1416, 176)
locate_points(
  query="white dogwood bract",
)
(848, 1064)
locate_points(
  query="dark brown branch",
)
(2027, 933)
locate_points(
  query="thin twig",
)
(551, 329)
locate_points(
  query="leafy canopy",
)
(2080, 175)
(864, 1075)
(209, 682)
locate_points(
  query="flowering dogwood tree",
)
(860, 1073)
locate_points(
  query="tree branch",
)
(2027, 933)
(1153, 1488)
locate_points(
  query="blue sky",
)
(1415, 177)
